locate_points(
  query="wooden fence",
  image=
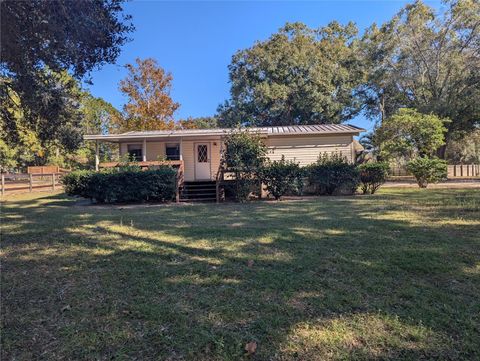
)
(463, 170)
(29, 182)
(46, 169)
(454, 171)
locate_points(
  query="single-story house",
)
(199, 150)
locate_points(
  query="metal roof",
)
(318, 128)
(268, 131)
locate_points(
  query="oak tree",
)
(298, 76)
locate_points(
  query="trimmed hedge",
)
(123, 185)
(333, 175)
(372, 176)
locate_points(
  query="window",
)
(202, 153)
(135, 152)
(172, 151)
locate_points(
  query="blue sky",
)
(195, 41)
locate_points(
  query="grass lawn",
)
(390, 276)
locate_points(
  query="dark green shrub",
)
(243, 155)
(333, 175)
(119, 185)
(281, 177)
(427, 170)
(372, 176)
(76, 182)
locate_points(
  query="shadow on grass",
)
(384, 277)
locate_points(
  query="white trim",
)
(97, 156)
(144, 150)
(195, 160)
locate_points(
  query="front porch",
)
(200, 157)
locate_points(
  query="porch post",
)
(144, 150)
(181, 148)
(97, 156)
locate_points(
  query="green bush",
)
(372, 176)
(427, 170)
(333, 175)
(281, 177)
(119, 185)
(76, 182)
(243, 155)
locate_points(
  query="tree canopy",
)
(408, 134)
(428, 61)
(298, 76)
(46, 47)
(149, 105)
(198, 123)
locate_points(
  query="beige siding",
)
(302, 149)
(189, 160)
(215, 157)
(155, 150)
(306, 149)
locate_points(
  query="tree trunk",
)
(441, 151)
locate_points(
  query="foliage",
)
(58, 140)
(81, 35)
(243, 155)
(372, 176)
(122, 185)
(77, 183)
(198, 123)
(7, 157)
(282, 177)
(149, 105)
(465, 149)
(98, 117)
(41, 41)
(426, 60)
(408, 133)
(332, 174)
(298, 76)
(55, 123)
(427, 170)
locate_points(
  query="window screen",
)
(172, 151)
(135, 152)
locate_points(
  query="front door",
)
(202, 161)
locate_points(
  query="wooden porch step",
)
(197, 200)
(198, 191)
(198, 194)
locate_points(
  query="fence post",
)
(30, 178)
(3, 184)
(53, 181)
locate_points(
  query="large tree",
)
(51, 141)
(42, 40)
(429, 61)
(298, 76)
(35, 136)
(149, 105)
